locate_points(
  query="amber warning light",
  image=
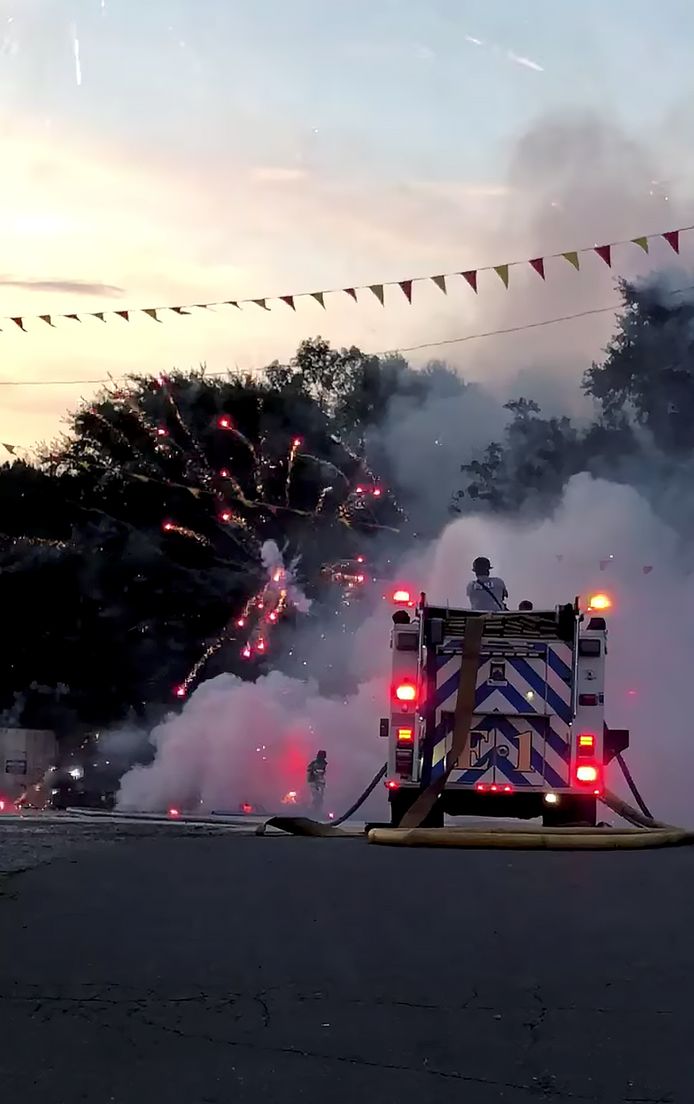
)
(600, 602)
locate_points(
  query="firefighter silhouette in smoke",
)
(315, 776)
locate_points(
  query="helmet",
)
(481, 566)
(525, 605)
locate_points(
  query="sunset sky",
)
(173, 151)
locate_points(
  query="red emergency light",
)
(392, 784)
(587, 773)
(405, 735)
(405, 691)
(400, 597)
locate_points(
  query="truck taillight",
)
(401, 596)
(587, 773)
(405, 691)
(405, 735)
(586, 745)
(392, 784)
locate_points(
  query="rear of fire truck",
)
(537, 743)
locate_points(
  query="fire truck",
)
(535, 743)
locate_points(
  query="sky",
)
(177, 151)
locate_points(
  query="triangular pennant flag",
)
(642, 242)
(440, 282)
(406, 289)
(605, 254)
(19, 322)
(179, 310)
(289, 300)
(206, 306)
(352, 292)
(227, 303)
(471, 278)
(73, 317)
(260, 303)
(377, 289)
(47, 319)
(673, 239)
(123, 314)
(99, 315)
(318, 296)
(647, 568)
(151, 312)
(502, 273)
(572, 258)
(10, 448)
(539, 266)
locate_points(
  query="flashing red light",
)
(224, 473)
(174, 812)
(246, 652)
(406, 692)
(361, 559)
(224, 422)
(587, 772)
(480, 787)
(167, 526)
(359, 490)
(241, 622)
(508, 789)
(246, 808)
(180, 691)
(162, 431)
(405, 735)
(493, 787)
(272, 617)
(2, 804)
(392, 784)
(401, 596)
(260, 645)
(225, 515)
(296, 442)
(377, 492)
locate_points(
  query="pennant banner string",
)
(538, 263)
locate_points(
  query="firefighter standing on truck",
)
(486, 592)
(315, 776)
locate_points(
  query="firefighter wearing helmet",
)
(486, 592)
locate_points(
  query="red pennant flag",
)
(605, 254)
(440, 282)
(352, 292)
(647, 568)
(124, 314)
(318, 296)
(151, 312)
(471, 278)
(673, 239)
(19, 322)
(406, 288)
(227, 303)
(539, 266)
(289, 300)
(47, 319)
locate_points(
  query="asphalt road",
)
(203, 969)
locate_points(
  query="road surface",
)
(154, 964)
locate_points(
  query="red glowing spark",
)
(174, 812)
(296, 442)
(224, 422)
(260, 645)
(224, 473)
(360, 490)
(226, 515)
(167, 526)
(246, 653)
(241, 622)
(162, 431)
(272, 617)
(180, 691)
(361, 559)
(277, 576)
(376, 492)
(246, 808)
(360, 578)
